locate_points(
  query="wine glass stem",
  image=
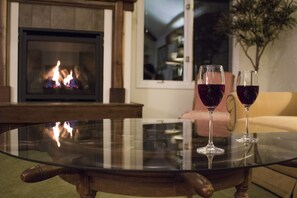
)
(247, 121)
(210, 128)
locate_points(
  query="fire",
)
(56, 78)
(68, 128)
(56, 75)
(58, 129)
(56, 135)
(68, 78)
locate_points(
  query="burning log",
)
(65, 78)
(81, 76)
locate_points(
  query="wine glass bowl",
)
(247, 89)
(211, 95)
(211, 88)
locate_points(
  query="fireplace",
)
(60, 65)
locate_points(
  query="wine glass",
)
(211, 88)
(247, 88)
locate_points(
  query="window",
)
(175, 37)
(209, 46)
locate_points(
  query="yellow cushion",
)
(266, 104)
(268, 124)
(290, 171)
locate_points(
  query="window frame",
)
(187, 82)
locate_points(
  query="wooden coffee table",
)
(143, 157)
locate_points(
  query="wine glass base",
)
(247, 139)
(210, 149)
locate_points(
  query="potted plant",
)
(256, 23)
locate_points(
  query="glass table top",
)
(143, 145)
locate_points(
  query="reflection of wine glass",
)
(211, 88)
(247, 88)
(210, 160)
(247, 152)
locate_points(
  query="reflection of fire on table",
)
(60, 130)
(68, 134)
(75, 146)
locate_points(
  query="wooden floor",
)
(254, 192)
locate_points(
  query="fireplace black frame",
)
(37, 34)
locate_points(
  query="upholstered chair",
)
(199, 112)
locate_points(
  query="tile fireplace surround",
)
(70, 15)
(82, 15)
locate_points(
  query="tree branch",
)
(246, 53)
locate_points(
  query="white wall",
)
(279, 65)
(162, 103)
(278, 72)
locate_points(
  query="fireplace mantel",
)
(128, 5)
(29, 113)
(14, 115)
(117, 91)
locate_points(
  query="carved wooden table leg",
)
(83, 187)
(241, 189)
(43, 172)
(200, 184)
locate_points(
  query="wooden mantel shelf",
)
(50, 112)
(128, 5)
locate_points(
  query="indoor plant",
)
(256, 23)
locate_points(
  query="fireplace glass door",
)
(60, 65)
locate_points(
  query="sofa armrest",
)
(266, 104)
(275, 104)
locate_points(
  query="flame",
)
(68, 128)
(55, 78)
(56, 135)
(57, 74)
(68, 78)
(57, 131)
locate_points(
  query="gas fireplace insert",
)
(60, 65)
